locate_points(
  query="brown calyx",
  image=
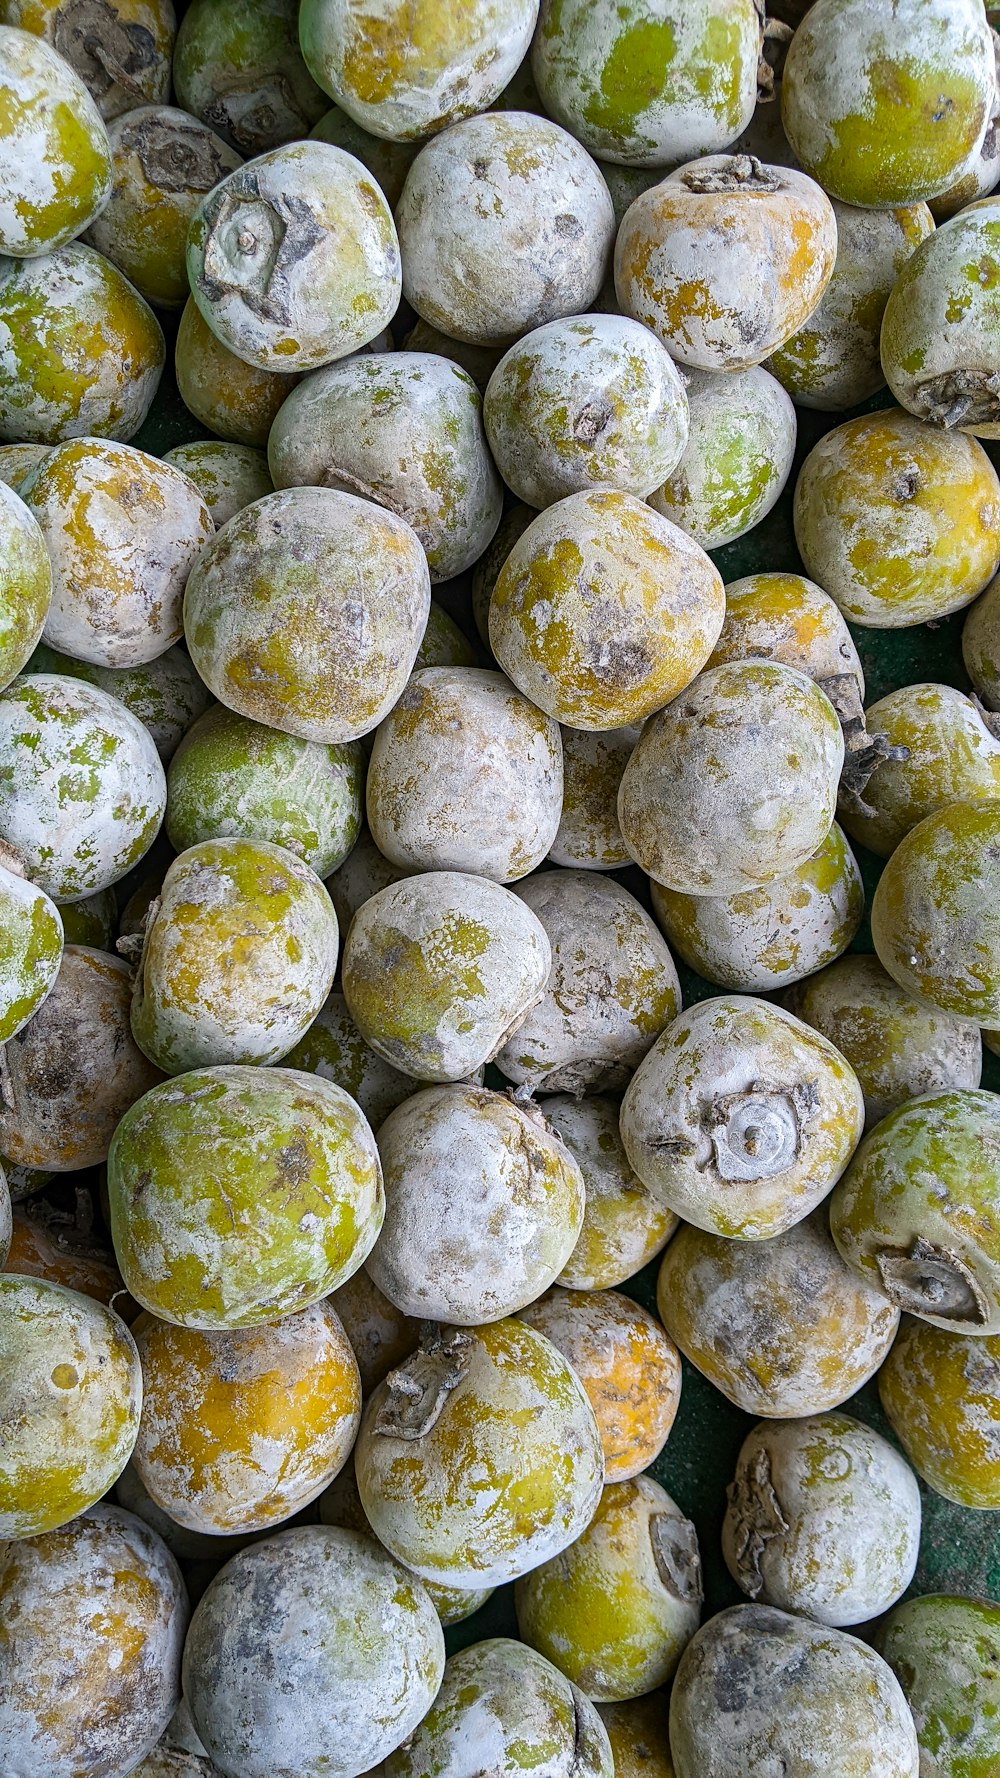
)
(417, 1392)
(105, 49)
(674, 1544)
(928, 1280)
(173, 159)
(773, 55)
(960, 398)
(742, 172)
(758, 1516)
(863, 752)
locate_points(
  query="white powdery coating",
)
(624, 1226)
(6, 1219)
(593, 401)
(405, 430)
(123, 531)
(229, 476)
(363, 873)
(823, 1519)
(588, 836)
(741, 441)
(166, 694)
(612, 989)
(334, 1048)
(92, 1621)
(29, 957)
(703, 98)
(361, 1657)
(465, 775)
(94, 798)
(504, 223)
(46, 110)
(942, 317)
(293, 258)
(483, 1206)
(787, 618)
(427, 74)
(760, 1691)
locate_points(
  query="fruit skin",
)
(940, 1393)
(612, 989)
(123, 531)
(783, 1327)
(75, 831)
(480, 1456)
(238, 957)
(6, 1222)
(777, 933)
(952, 756)
(741, 1119)
(364, 1656)
(16, 460)
(127, 65)
(240, 1430)
(591, 400)
(643, 89)
(637, 1730)
(604, 611)
(43, 1246)
(944, 1652)
(939, 322)
(166, 694)
(899, 1047)
(588, 836)
(486, 572)
(762, 806)
(757, 1685)
(31, 949)
(489, 254)
(444, 643)
(388, 162)
(897, 519)
(981, 645)
(935, 915)
(163, 162)
(363, 872)
(74, 1071)
(240, 70)
(439, 969)
(725, 259)
(228, 476)
(81, 353)
(623, 1224)
(408, 74)
(348, 594)
(789, 619)
(233, 778)
(484, 1206)
(55, 169)
(321, 276)
(404, 429)
(465, 774)
(96, 1682)
(334, 1048)
(914, 1213)
(71, 1394)
(823, 1519)
(887, 104)
(292, 1205)
(629, 1368)
(833, 361)
(381, 1336)
(738, 455)
(506, 1698)
(232, 398)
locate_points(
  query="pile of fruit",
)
(464, 1140)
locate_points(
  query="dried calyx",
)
(758, 1133)
(105, 49)
(758, 1519)
(929, 1280)
(173, 159)
(675, 1552)
(773, 55)
(863, 752)
(960, 398)
(416, 1393)
(742, 172)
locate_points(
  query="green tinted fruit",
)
(363, 873)
(92, 921)
(55, 162)
(17, 460)
(951, 755)
(981, 645)
(334, 1048)
(239, 1195)
(941, 1395)
(624, 1225)
(25, 583)
(166, 694)
(936, 914)
(945, 1652)
(228, 476)
(234, 399)
(940, 320)
(241, 71)
(121, 49)
(388, 162)
(738, 456)
(31, 944)
(444, 643)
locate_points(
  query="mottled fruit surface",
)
(945, 1653)
(936, 917)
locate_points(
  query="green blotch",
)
(633, 77)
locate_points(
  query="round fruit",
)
(444, 644)
(166, 695)
(483, 1206)
(438, 971)
(381, 1336)
(293, 259)
(823, 1519)
(465, 775)
(404, 429)
(940, 320)
(981, 645)
(738, 456)
(887, 101)
(637, 1730)
(70, 1399)
(624, 1225)
(898, 1047)
(480, 1456)
(92, 804)
(941, 1395)
(950, 754)
(588, 836)
(17, 460)
(123, 531)
(725, 259)
(388, 162)
(783, 1327)
(306, 612)
(232, 398)
(233, 778)
(363, 873)
(786, 618)
(239, 955)
(897, 519)
(31, 948)
(93, 921)
(504, 223)
(504, 1700)
(334, 1048)
(756, 1685)
(239, 1195)
(92, 1622)
(121, 49)
(936, 912)
(612, 990)
(604, 611)
(735, 782)
(240, 70)
(80, 351)
(363, 1655)
(55, 162)
(945, 1652)
(591, 401)
(228, 476)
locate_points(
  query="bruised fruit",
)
(241, 71)
(939, 322)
